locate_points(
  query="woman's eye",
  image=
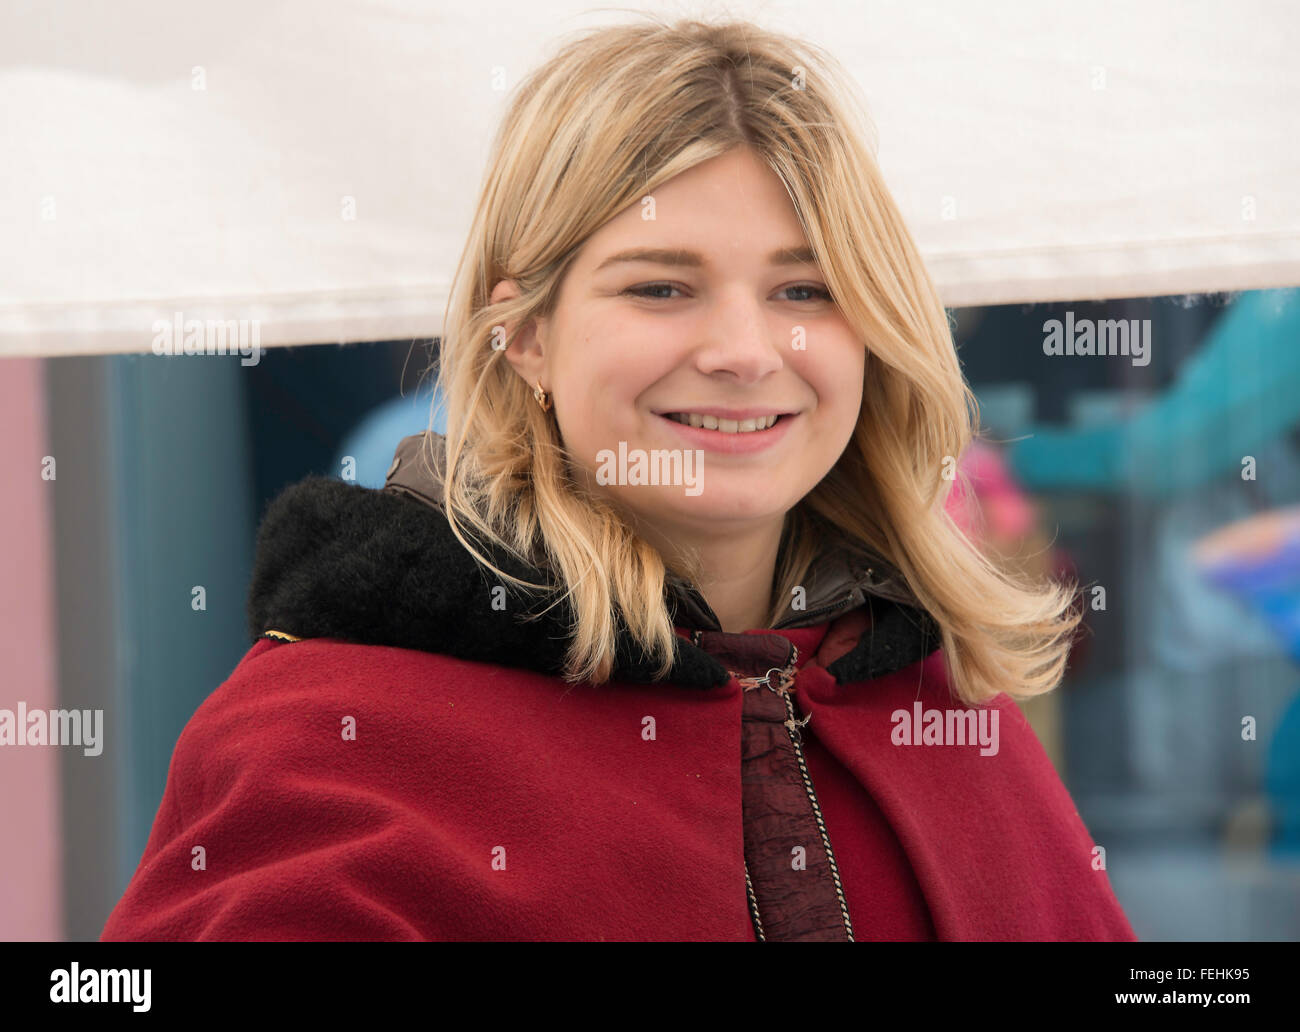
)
(647, 291)
(820, 293)
(644, 291)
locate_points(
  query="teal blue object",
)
(1241, 391)
(1282, 781)
(181, 517)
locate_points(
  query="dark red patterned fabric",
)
(796, 897)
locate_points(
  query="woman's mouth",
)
(744, 434)
(726, 426)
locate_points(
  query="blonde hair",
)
(610, 117)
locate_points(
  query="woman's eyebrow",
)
(693, 259)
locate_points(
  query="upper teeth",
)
(727, 426)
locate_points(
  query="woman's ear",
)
(525, 352)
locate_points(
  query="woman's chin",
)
(716, 506)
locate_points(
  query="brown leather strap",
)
(417, 469)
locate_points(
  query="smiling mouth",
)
(726, 426)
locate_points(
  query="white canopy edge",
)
(309, 165)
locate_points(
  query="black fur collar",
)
(336, 560)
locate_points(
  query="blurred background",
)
(307, 170)
(1170, 491)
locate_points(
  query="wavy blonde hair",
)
(611, 116)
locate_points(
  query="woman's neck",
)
(736, 571)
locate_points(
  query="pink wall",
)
(30, 857)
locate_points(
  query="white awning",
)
(309, 164)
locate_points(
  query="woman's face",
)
(689, 304)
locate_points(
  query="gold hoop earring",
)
(543, 398)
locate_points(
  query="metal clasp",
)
(784, 680)
(784, 676)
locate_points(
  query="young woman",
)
(670, 636)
